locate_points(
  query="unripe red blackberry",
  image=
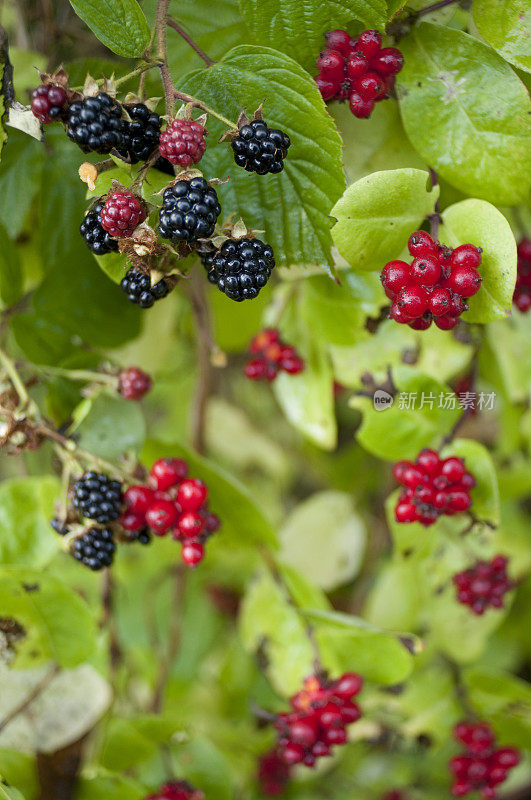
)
(48, 102)
(122, 212)
(177, 790)
(183, 142)
(133, 383)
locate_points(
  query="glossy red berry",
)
(466, 255)
(47, 102)
(190, 524)
(131, 521)
(348, 685)
(421, 323)
(133, 383)
(191, 494)
(425, 270)
(370, 86)
(256, 369)
(122, 212)
(464, 280)
(368, 43)
(192, 553)
(429, 462)
(483, 585)
(389, 61)
(339, 40)
(421, 245)
(183, 142)
(138, 499)
(406, 512)
(446, 323)
(273, 355)
(439, 301)
(161, 516)
(412, 300)
(327, 87)
(360, 107)
(167, 472)
(453, 469)
(357, 66)
(331, 64)
(273, 774)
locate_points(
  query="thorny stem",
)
(160, 28)
(435, 218)
(28, 700)
(201, 53)
(186, 98)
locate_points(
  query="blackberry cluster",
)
(48, 102)
(122, 212)
(259, 148)
(137, 286)
(97, 238)
(433, 288)
(321, 713)
(273, 774)
(172, 502)
(358, 70)
(483, 585)
(95, 548)
(177, 790)
(183, 142)
(95, 124)
(522, 292)
(271, 356)
(482, 766)
(133, 383)
(432, 486)
(189, 211)
(141, 134)
(240, 268)
(98, 497)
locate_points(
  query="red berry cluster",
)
(522, 292)
(172, 502)
(183, 142)
(122, 212)
(321, 713)
(360, 70)
(133, 383)
(47, 102)
(484, 584)
(434, 286)
(273, 774)
(272, 355)
(482, 766)
(432, 486)
(394, 794)
(177, 790)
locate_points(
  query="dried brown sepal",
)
(91, 87)
(143, 244)
(60, 78)
(243, 119)
(18, 434)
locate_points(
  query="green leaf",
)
(47, 612)
(111, 787)
(10, 270)
(243, 523)
(395, 599)
(416, 419)
(128, 742)
(504, 357)
(8, 793)
(324, 539)
(504, 700)
(505, 25)
(357, 645)
(377, 214)
(21, 166)
(478, 141)
(280, 24)
(65, 710)
(113, 426)
(479, 223)
(486, 495)
(270, 624)
(291, 207)
(26, 507)
(119, 24)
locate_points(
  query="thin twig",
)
(460, 688)
(398, 28)
(160, 28)
(187, 98)
(28, 700)
(201, 53)
(435, 218)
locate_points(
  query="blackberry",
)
(95, 548)
(142, 536)
(47, 103)
(189, 211)
(137, 286)
(58, 526)
(98, 497)
(141, 134)
(95, 124)
(240, 268)
(261, 149)
(96, 237)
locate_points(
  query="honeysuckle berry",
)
(273, 774)
(161, 516)
(360, 70)
(432, 486)
(177, 790)
(192, 553)
(483, 585)
(134, 383)
(168, 472)
(482, 766)
(522, 292)
(272, 356)
(191, 494)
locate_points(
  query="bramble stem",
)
(186, 98)
(160, 28)
(201, 53)
(80, 375)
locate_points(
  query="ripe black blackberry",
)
(261, 149)
(240, 268)
(96, 237)
(141, 134)
(95, 548)
(98, 497)
(143, 536)
(95, 124)
(189, 211)
(138, 288)
(58, 526)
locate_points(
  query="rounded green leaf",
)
(111, 427)
(291, 207)
(478, 140)
(479, 223)
(119, 24)
(505, 24)
(47, 612)
(377, 214)
(26, 507)
(485, 496)
(280, 23)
